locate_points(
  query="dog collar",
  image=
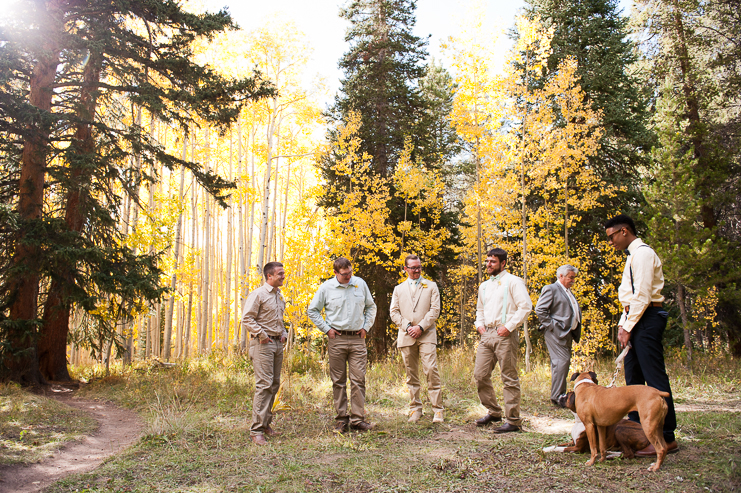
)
(586, 380)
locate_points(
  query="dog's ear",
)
(593, 376)
(575, 376)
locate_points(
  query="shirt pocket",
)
(334, 302)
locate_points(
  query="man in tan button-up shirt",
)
(643, 320)
(415, 306)
(262, 316)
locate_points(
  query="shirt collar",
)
(415, 281)
(634, 245)
(336, 283)
(498, 277)
(270, 288)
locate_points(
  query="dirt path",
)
(118, 428)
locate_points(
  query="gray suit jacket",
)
(421, 309)
(554, 312)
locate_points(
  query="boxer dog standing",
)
(626, 435)
(599, 407)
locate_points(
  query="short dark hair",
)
(341, 263)
(622, 220)
(498, 253)
(410, 257)
(269, 268)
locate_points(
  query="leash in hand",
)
(619, 364)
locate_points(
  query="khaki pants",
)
(494, 348)
(348, 351)
(427, 352)
(267, 360)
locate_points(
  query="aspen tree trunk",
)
(229, 242)
(263, 247)
(173, 281)
(250, 223)
(528, 348)
(272, 241)
(239, 278)
(285, 215)
(205, 273)
(566, 218)
(149, 350)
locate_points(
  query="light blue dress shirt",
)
(346, 307)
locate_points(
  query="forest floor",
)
(197, 415)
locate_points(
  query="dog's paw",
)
(553, 448)
(653, 467)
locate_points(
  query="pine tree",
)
(128, 54)
(383, 70)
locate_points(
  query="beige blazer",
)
(421, 309)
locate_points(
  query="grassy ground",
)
(33, 427)
(198, 435)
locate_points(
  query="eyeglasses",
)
(609, 237)
(345, 274)
(415, 269)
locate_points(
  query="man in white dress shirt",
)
(643, 320)
(503, 305)
(560, 320)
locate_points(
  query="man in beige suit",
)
(415, 306)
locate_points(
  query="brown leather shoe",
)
(271, 432)
(489, 418)
(259, 440)
(650, 451)
(507, 428)
(340, 427)
(362, 426)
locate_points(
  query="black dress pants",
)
(644, 364)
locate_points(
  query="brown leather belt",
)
(275, 338)
(657, 304)
(347, 332)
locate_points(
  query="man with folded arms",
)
(349, 312)
(262, 316)
(643, 320)
(415, 306)
(503, 305)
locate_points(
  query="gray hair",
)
(565, 269)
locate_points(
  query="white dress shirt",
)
(503, 300)
(648, 281)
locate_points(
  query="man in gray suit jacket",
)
(415, 306)
(560, 318)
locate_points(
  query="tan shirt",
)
(648, 281)
(262, 314)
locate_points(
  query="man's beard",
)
(495, 272)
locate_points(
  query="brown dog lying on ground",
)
(625, 435)
(599, 408)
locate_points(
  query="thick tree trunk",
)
(55, 329)
(23, 362)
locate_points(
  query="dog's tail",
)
(664, 394)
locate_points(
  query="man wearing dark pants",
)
(643, 320)
(262, 316)
(560, 320)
